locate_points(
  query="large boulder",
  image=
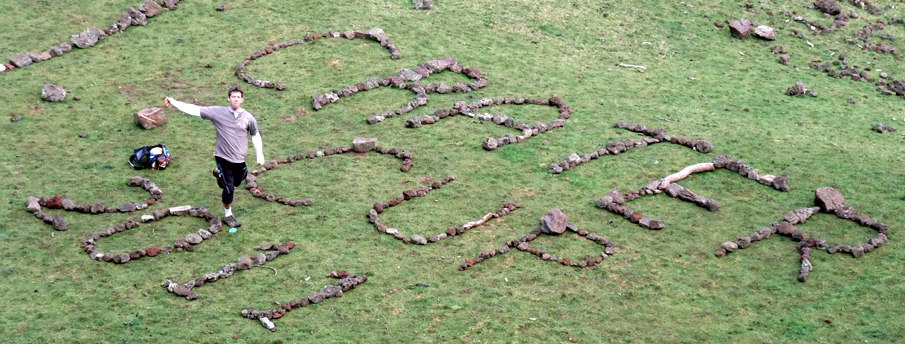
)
(828, 199)
(362, 145)
(765, 32)
(53, 93)
(553, 223)
(740, 28)
(150, 118)
(150, 8)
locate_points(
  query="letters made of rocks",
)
(380, 207)
(178, 246)
(344, 285)
(409, 80)
(258, 259)
(549, 224)
(615, 147)
(251, 181)
(375, 34)
(613, 201)
(150, 118)
(827, 200)
(91, 36)
(35, 204)
(491, 143)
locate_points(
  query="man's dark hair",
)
(234, 90)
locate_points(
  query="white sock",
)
(228, 212)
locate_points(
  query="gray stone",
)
(204, 234)
(258, 259)
(87, 38)
(419, 239)
(362, 145)
(828, 199)
(52, 93)
(765, 32)
(740, 28)
(194, 238)
(21, 60)
(409, 75)
(150, 118)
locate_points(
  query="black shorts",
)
(231, 175)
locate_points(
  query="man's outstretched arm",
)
(190, 109)
(259, 148)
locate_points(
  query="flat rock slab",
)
(362, 145)
(150, 118)
(828, 199)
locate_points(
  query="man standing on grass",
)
(233, 125)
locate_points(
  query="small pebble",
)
(179, 40)
(9, 271)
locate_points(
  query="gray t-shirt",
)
(232, 131)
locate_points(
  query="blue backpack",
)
(153, 157)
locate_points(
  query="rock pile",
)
(798, 90)
(491, 143)
(344, 285)
(258, 259)
(615, 147)
(827, 200)
(359, 145)
(410, 80)
(35, 204)
(380, 207)
(195, 238)
(554, 223)
(375, 34)
(91, 36)
(613, 201)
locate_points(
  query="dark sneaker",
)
(231, 222)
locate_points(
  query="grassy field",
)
(660, 286)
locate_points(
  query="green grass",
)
(661, 286)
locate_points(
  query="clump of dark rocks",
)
(344, 285)
(826, 200)
(271, 251)
(180, 245)
(554, 223)
(90, 37)
(35, 205)
(798, 90)
(380, 207)
(359, 145)
(658, 135)
(743, 28)
(375, 34)
(423, 4)
(881, 128)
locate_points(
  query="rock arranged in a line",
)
(91, 36)
(491, 143)
(380, 207)
(375, 34)
(195, 238)
(827, 200)
(34, 204)
(554, 223)
(410, 80)
(620, 146)
(861, 38)
(359, 145)
(346, 282)
(613, 201)
(244, 263)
